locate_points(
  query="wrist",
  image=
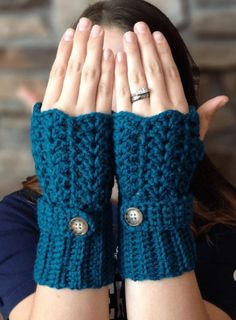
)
(65, 258)
(155, 254)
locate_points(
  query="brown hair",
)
(214, 196)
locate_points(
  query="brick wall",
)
(29, 35)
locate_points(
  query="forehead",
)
(113, 39)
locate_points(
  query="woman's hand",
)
(81, 78)
(148, 62)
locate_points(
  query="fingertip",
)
(158, 36)
(227, 99)
(107, 54)
(224, 101)
(129, 37)
(68, 35)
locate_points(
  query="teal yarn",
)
(155, 159)
(73, 158)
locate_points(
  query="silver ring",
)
(140, 97)
(141, 91)
(140, 94)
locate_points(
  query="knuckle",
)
(153, 68)
(58, 71)
(172, 72)
(181, 103)
(90, 73)
(123, 92)
(74, 67)
(136, 78)
(103, 89)
(67, 108)
(165, 105)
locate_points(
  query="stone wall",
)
(29, 35)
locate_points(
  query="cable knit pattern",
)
(74, 160)
(155, 158)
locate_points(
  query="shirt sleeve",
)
(18, 240)
(216, 268)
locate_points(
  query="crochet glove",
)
(155, 158)
(73, 158)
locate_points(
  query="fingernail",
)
(129, 36)
(222, 103)
(119, 56)
(141, 27)
(158, 36)
(96, 31)
(68, 35)
(106, 54)
(84, 24)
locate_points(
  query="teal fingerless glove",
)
(73, 158)
(155, 158)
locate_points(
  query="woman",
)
(151, 79)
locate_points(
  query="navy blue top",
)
(19, 234)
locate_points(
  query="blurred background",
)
(30, 31)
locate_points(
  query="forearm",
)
(161, 299)
(67, 304)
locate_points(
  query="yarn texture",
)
(155, 159)
(74, 159)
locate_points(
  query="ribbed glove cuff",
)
(66, 259)
(162, 245)
(156, 254)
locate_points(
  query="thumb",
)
(28, 96)
(208, 110)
